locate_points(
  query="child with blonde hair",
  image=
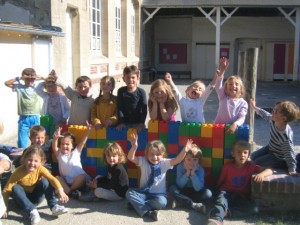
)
(30, 183)
(232, 107)
(72, 176)
(189, 189)
(279, 153)
(151, 196)
(114, 185)
(162, 103)
(104, 109)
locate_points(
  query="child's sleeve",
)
(143, 107)
(198, 179)
(120, 105)
(181, 177)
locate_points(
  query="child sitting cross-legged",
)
(233, 197)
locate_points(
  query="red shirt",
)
(238, 179)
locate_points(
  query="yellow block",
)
(153, 126)
(218, 153)
(206, 130)
(101, 133)
(77, 131)
(93, 134)
(206, 162)
(132, 173)
(94, 152)
(131, 131)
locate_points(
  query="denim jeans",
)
(188, 196)
(233, 204)
(24, 124)
(144, 202)
(28, 201)
(265, 158)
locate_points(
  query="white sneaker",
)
(58, 210)
(34, 216)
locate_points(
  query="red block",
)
(90, 170)
(123, 144)
(163, 126)
(173, 149)
(152, 136)
(182, 140)
(218, 143)
(203, 141)
(131, 165)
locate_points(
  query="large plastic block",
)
(195, 130)
(93, 134)
(153, 126)
(78, 131)
(132, 173)
(142, 139)
(101, 143)
(173, 133)
(217, 165)
(114, 134)
(203, 142)
(88, 161)
(83, 153)
(227, 153)
(206, 152)
(91, 143)
(133, 183)
(228, 161)
(163, 137)
(131, 131)
(163, 126)
(243, 133)
(209, 180)
(152, 136)
(206, 162)
(206, 130)
(101, 133)
(102, 171)
(183, 140)
(229, 139)
(172, 149)
(100, 162)
(123, 144)
(217, 142)
(218, 135)
(131, 165)
(53, 129)
(172, 156)
(90, 170)
(95, 152)
(46, 120)
(184, 129)
(218, 153)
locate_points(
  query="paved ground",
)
(112, 213)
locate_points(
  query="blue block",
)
(83, 153)
(102, 171)
(133, 183)
(91, 143)
(89, 161)
(142, 139)
(243, 133)
(227, 153)
(173, 133)
(113, 134)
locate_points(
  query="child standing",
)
(72, 176)
(191, 106)
(28, 104)
(232, 107)
(189, 189)
(151, 196)
(104, 109)
(29, 185)
(279, 153)
(234, 183)
(81, 99)
(162, 103)
(131, 101)
(55, 104)
(114, 185)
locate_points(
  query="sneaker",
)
(199, 207)
(153, 214)
(213, 221)
(89, 197)
(58, 210)
(75, 194)
(34, 216)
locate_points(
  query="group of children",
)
(129, 109)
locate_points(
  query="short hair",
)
(240, 81)
(131, 70)
(114, 148)
(49, 81)
(289, 109)
(29, 71)
(241, 144)
(33, 149)
(156, 144)
(82, 79)
(36, 129)
(195, 152)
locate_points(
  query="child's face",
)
(4, 165)
(28, 79)
(131, 81)
(32, 162)
(159, 94)
(112, 159)
(154, 156)
(233, 88)
(195, 91)
(51, 88)
(66, 145)
(277, 116)
(39, 138)
(190, 162)
(106, 86)
(83, 88)
(240, 156)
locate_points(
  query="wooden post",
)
(250, 78)
(241, 57)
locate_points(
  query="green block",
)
(229, 140)
(217, 165)
(52, 130)
(163, 137)
(206, 152)
(46, 120)
(100, 162)
(101, 143)
(195, 129)
(184, 129)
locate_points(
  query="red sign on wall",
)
(172, 53)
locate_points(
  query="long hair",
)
(105, 79)
(239, 80)
(114, 148)
(31, 150)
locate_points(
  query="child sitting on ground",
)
(114, 185)
(29, 185)
(162, 103)
(279, 153)
(189, 189)
(72, 176)
(234, 183)
(151, 196)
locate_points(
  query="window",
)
(132, 16)
(118, 27)
(95, 25)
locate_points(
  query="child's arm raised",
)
(85, 137)
(56, 136)
(133, 138)
(182, 154)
